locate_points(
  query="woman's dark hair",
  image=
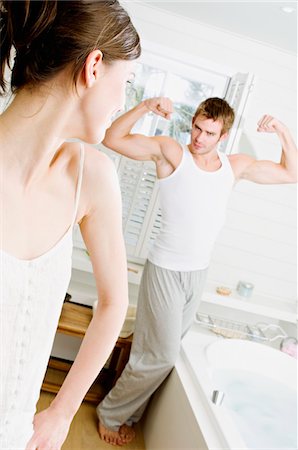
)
(49, 36)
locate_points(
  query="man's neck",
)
(208, 161)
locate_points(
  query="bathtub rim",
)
(217, 427)
(272, 363)
(215, 422)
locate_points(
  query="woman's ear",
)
(93, 67)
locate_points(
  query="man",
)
(195, 182)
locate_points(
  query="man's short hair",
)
(217, 109)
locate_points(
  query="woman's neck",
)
(32, 129)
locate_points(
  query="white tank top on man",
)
(193, 204)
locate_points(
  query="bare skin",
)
(123, 436)
(206, 134)
(109, 436)
(38, 177)
(127, 433)
(167, 153)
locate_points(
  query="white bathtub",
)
(259, 389)
(259, 407)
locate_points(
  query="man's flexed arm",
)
(137, 146)
(269, 172)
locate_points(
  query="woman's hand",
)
(50, 430)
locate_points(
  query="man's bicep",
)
(265, 172)
(136, 146)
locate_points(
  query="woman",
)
(72, 61)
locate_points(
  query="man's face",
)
(205, 135)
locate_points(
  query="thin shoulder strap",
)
(79, 183)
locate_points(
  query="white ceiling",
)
(261, 21)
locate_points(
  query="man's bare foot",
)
(109, 436)
(127, 433)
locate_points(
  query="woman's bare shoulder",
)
(100, 184)
(96, 163)
(98, 167)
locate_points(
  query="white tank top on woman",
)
(193, 205)
(31, 298)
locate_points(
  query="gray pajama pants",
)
(167, 303)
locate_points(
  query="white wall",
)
(258, 243)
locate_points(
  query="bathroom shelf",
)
(57, 371)
(74, 321)
(82, 293)
(239, 330)
(273, 308)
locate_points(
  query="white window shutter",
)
(239, 88)
(5, 101)
(152, 230)
(139, 193)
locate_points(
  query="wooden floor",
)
(83, 433)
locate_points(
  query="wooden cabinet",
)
(74, 321)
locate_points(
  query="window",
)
(187, 86)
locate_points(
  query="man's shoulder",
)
(171, 151)
(240, 159)
(239, 162)
(168, 144)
